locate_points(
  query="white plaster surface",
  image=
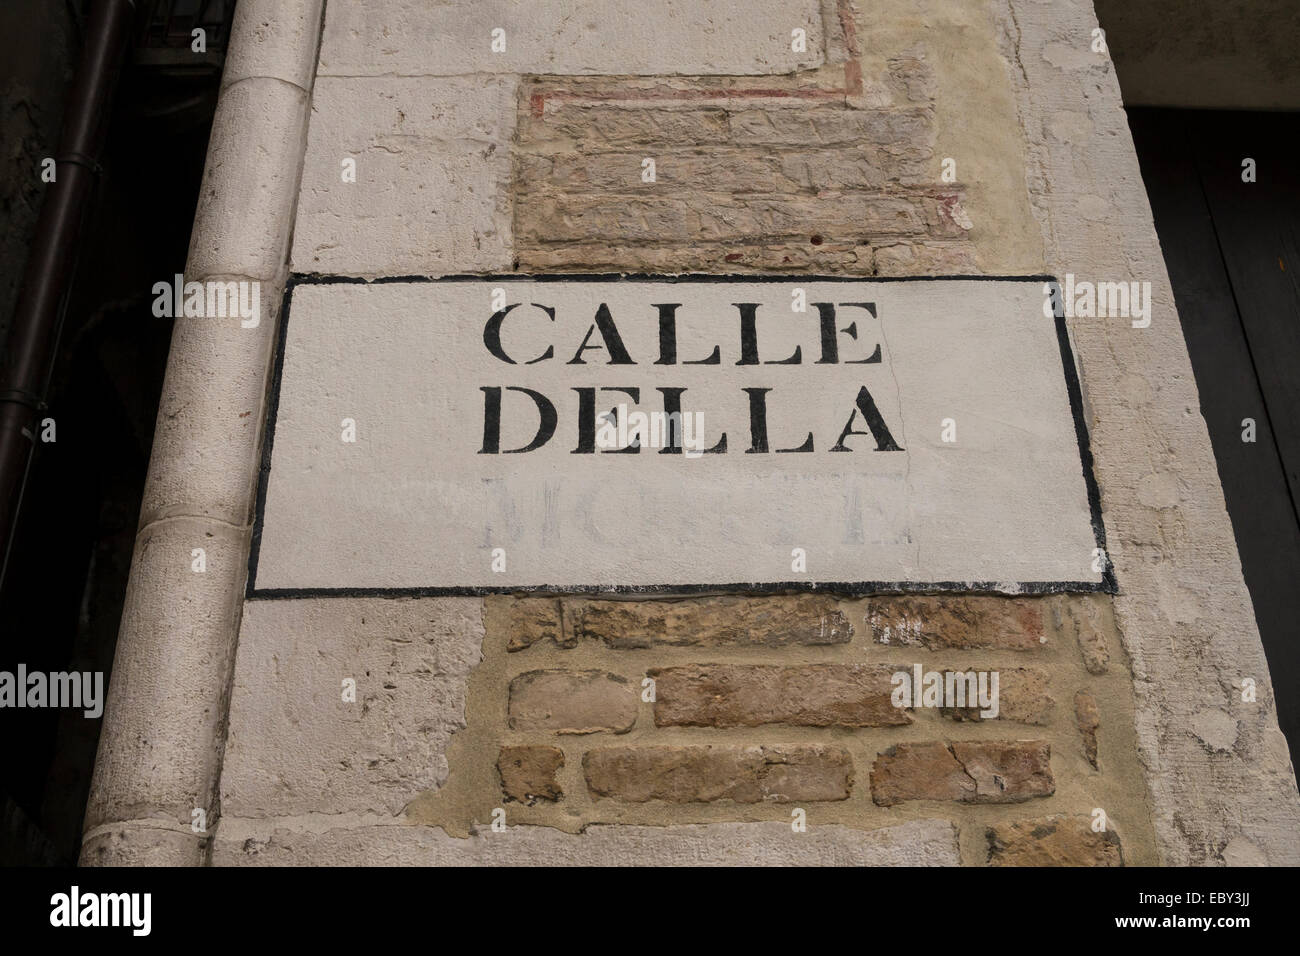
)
(296, 746)
(413, 503)
(432, 176)
(451, 37)
(916, 843)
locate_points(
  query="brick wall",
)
(750, 176)
(752, 708)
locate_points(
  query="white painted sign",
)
(611, 432)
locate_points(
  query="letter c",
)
(492, 335)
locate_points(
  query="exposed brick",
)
(620, 126)
(742, 695)
(721, 216)
(921, 771)
(1007, 771)
(1095, 655)
(907, 131)
(843, 258)
(912, 79)
(712, 622)
(958, 622)
(1053, 841)
(528, 773)
(724, 170)
(1024, 695)
(837, 169)
(1089, 620)
(1088, 718)
(532, 620)
(969, 772)
(572, 702)
(744, 184)
(926, 258)
(868, 130)
(778, 774)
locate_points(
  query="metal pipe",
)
(28, 357)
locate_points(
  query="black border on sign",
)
(1107, 584)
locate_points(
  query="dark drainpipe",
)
(29, 353)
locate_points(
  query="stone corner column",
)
(160, 749)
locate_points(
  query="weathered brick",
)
(528, 773)
(593, 172)
(779, 184)
(742, 695)
(1053, 841)
(778, 774)
(534, 619)
(1024, 695)
(1096, 657)
(902, 132)
(712, 622)
(572, 702)
(1007, 771)
(1088, 718)
(968, 772)
(719, 216)
(921, 771)
(832, 126)
(619, 126)
(823, 169)
(912, 79)
(843, 258)
(958, 622)
(723, 170)
(1089, 620)
(953, 257)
